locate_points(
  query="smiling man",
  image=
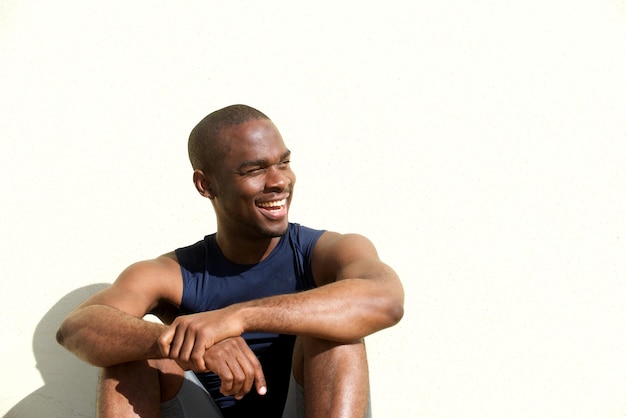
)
(260, 314)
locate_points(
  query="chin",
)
(277, 231)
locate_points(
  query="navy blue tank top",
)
(210, 281)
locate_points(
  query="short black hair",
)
(203, 140)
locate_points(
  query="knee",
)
(164, 375)
(318, 354)
(128, 371)
(334, 375)
(171, 377)
(144, 368)
(312, 346)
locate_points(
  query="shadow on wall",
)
(69, 388)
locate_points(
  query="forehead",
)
(253, 140)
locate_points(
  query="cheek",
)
(250, 188)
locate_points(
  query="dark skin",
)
(251, 191)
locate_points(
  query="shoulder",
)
(335, 252)
(344, 246)
(144, 286)
(164, 267)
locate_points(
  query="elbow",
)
(395, 313)
(60, 337)
(66, 335)
(63, 333)
(394, 310)
(381, 313)
(391, 297)
(69, 327)
(393, 305)
(69, 336)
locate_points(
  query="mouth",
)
(274, 205)
(275, 209)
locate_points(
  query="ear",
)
(203, 184)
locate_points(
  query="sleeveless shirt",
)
(210, 281)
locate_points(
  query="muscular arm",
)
(357, 295)
(108, 328)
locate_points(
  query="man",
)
(246, 307)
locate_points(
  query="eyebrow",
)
(260, 163)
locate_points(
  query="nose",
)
(277, 178)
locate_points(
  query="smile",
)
(277, 204)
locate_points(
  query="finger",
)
(178, 338)
(253, 369)
(228, 380)
(197, 355)
(248, 374)
(259, 377)
(259, 383)
(187, 344)
(239, 380)
(226, 377)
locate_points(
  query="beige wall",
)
(481, 145)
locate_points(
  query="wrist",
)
(243, 316)
(157, 330)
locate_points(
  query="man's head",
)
(204, 140)
(242, 164)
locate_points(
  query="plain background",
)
(481, 146)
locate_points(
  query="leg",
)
(137, 389)
(335, 377)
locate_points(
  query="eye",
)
(284, 163)
(254, 170)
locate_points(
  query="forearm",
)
(105, 336)
(342, 311)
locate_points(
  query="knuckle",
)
(250, 369)
(162, 341)
(197, 360)
(239, 378)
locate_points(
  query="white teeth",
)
(275, 204)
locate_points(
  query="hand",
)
(190, 336)
(237, 366)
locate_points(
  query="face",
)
(253, 186)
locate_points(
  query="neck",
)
(244, 250)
